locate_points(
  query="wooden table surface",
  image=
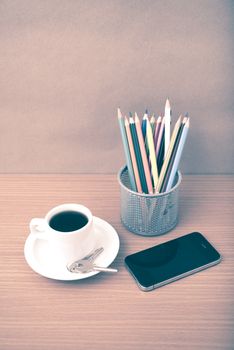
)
(109, 311)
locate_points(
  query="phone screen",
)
(172, 260)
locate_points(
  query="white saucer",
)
(38, 256)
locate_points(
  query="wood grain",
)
(109, 311)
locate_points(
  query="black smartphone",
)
(172, 260)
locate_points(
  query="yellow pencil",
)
(168, 155)
(152, 155)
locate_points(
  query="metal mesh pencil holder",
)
(146, 214)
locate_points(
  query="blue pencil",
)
(144, 124)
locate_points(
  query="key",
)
(87, 263)
(84, 266)
(90, 257)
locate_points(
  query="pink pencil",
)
(143, 154)
(160, 136)
(133, 156)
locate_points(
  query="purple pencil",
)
(157, 129)
(160, 136)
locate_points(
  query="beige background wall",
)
(65, 66)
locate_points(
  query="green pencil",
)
(126, 151)
(138, 155)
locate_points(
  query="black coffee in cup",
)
(68, 221)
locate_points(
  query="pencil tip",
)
(167, 105)
(119, 113)
(130, 114)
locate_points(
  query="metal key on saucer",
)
(87, 264)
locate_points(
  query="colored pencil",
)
(146, 120)
(167, 126)
(168, 155)
(178, 155)
(160, 156)
(133, 156)
(144, 123)
(143, 154)
(160, 136)
(126, 151)
(172, 158)
(152, 123)
(156, 131)
(161, 146)
(152, 154)
(138, 155)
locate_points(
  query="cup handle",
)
(38, 228)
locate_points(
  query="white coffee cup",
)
(70, 245)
